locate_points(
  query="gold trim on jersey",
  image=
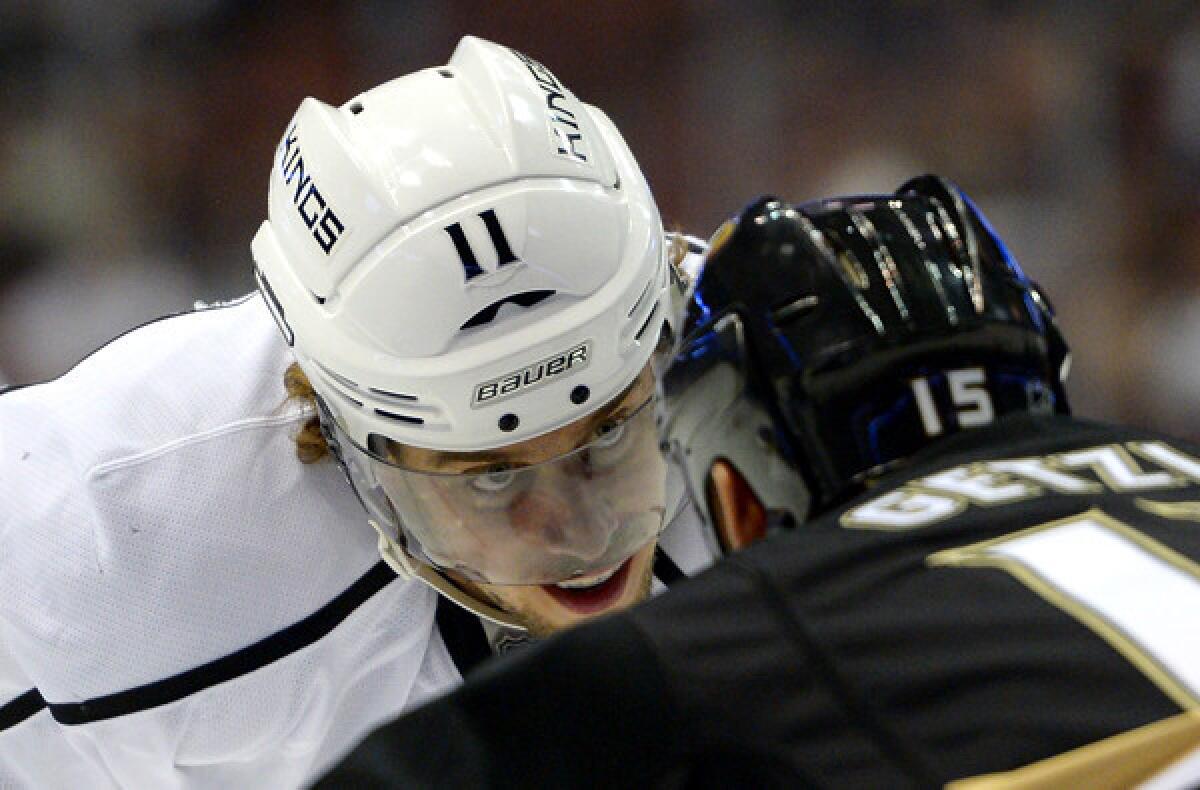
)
(978, 555)
(1189, 511)
(1122, 761)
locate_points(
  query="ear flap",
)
(739, 517)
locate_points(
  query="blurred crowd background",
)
(136, 139)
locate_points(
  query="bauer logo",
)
(533, 376)
(562, 111)
(315, 212)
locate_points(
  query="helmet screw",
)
(509, 422)
(580, 394)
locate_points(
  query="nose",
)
(548, 519)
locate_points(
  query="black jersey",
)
(1019, 592)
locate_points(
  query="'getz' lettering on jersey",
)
(310, 204)
(563, 121)
(532, 376)
(1112, 467)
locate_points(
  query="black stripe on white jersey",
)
(31, 702)
(18, 710)
(279, 645)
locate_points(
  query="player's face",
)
(583, 503)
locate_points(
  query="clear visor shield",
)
(505, 522)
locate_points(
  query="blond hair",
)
(311, 446)
(310, 442)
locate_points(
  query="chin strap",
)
(502, 638)
(408, 568)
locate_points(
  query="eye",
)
(495, 479)
(608, 433)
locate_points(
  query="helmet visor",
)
(504, 521)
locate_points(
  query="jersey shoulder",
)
(171, 378)
(1036, 575)
(158, 517)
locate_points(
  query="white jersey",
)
(182, 602)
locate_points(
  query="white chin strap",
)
(408, 568)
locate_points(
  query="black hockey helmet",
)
(828, 341)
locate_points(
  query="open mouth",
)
(590, 580)
(593, 593)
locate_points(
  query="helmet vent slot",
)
(396, 395)
(791, 310)
(400, 417)
(641, 331)
(489, 313)
(337, 377)
(641, 298)
(357, 403)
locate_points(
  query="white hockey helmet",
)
(435, 240)
(462, 258)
